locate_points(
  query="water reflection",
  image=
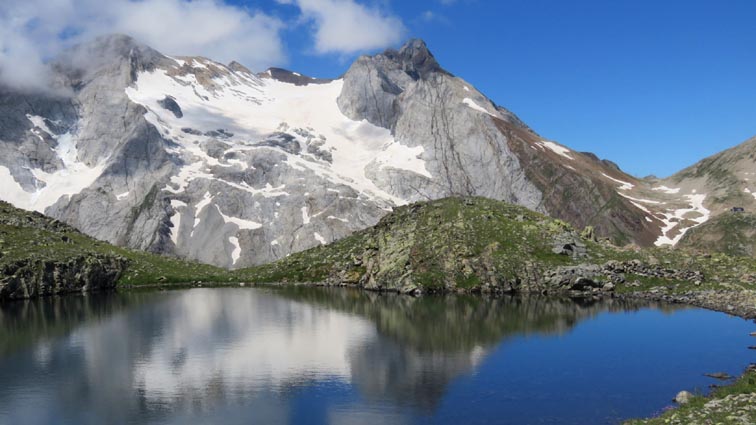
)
(290, 355)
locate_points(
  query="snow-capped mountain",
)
(187, 156)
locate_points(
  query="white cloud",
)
(430, 16)
(32, 31)
(345, 26)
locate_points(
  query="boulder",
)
(683, 397)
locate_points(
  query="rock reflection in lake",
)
(284, 355)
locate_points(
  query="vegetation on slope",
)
(730, 233)
(444, 244)
(450, 244)
(29, 235)
(479, 244)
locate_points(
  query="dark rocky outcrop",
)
(41, 256)
(32, 278)
(170, 104)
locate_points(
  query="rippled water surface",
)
(317, 356)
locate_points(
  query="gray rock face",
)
(189, 157)
(33, 278)
(471, 146)
(170, 104)
(423, 105)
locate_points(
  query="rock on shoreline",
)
(30, 278)
(741, 303)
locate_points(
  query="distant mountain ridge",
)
(211, 162)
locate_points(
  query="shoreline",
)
(730, 302)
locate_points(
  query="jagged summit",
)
(237, 67)
(416, 59)
(106, 48)
(104, 55)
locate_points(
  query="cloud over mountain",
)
(32, 31)
(345, 26)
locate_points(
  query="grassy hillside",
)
(441, 244)
(449, 244)
(481, 244)
(25, 235)
(730, 233)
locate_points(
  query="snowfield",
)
(251, 108)
(697, 213)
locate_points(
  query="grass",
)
(440, 244)
(697, 411)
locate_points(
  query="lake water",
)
(336, 356)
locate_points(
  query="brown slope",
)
(577, 192)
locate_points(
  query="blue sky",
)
(652, 85)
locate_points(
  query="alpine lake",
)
(304, 355)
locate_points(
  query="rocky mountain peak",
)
(111, 51)
(237, 67)
(286, 76)
(415, 59)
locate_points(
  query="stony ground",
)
(741, 303)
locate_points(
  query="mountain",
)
(211, 162)
(729, 178)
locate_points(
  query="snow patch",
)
(403, 157)
(12, 191)
(176, 220)
(556, 148)
(305, 216)
(236, 253)
(666, 189)
(672, 219)
(40, 123)
(122, 196)
(471, 104)
(624, 185)
(319, 238)
(205, 201)
(70, 180)
(240, 222)
(343, 220)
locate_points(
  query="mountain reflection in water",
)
(284, 355)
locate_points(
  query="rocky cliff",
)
(32, 265)
(35, 278)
